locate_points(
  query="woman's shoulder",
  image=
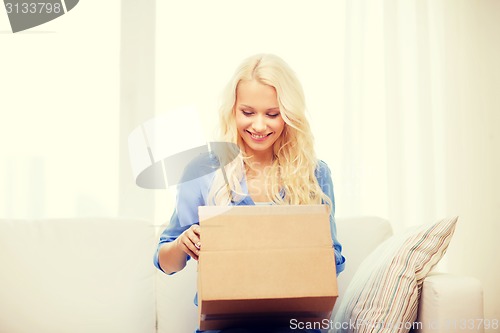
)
(200, 166)
(322, 170)
(207, 162)
(321, 164)
(324, 177)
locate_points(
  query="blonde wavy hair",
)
(292, 179)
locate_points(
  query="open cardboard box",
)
(265, 265)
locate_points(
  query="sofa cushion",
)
(383, 294)
(77, 275)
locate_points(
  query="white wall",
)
(59, 112)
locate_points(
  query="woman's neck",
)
(258, 168)
(260, 162)
(262, 159)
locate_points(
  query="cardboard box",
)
(265, 265)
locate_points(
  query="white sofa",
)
(97, 276)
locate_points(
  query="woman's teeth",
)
(258, 136)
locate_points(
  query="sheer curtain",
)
(420, 123)
(394, 123)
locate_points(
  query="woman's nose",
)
(259, 124)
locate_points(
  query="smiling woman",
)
(263, 112)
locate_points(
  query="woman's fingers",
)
(190, 241)
(191, 251)
(196, 234)
(188, 247)
(196, 229)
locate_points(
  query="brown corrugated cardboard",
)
(265, 264)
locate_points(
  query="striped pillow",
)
(383, 294)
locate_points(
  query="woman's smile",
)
(259, 137)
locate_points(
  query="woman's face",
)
(258, 117)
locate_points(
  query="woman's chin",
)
(252, 148)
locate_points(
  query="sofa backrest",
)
(177, 313)
(96, 275)
(77, 275)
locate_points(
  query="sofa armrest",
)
(450, 303)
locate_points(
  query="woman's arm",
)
(181, 239)
(172, 256)
(324, 176)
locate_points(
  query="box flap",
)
(269, 227)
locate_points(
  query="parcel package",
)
(265, 265)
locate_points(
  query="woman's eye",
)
(247, 113)
(273, 115)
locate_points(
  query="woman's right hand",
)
(189, 241)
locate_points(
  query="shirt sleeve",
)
(191, 194)
(168, 235)
(324, 176)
